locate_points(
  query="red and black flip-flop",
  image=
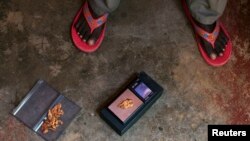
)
(93, 24)
(211, 38)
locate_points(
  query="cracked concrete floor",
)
(153, 36)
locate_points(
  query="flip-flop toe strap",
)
(93, 23)
(209, 37)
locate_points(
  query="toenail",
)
(91, 42)
(213, 56)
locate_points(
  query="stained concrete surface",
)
(153, 36)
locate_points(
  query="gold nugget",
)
(125, 104)
(52, 121)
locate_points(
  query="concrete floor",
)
(153, 36)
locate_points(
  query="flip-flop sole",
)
(220, 60)
(83, 46)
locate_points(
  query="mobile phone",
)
(139, 95)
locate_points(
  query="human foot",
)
(88, 31)
(213, 40)
(219, 43)
(84, 31)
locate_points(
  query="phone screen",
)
(143, 90)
